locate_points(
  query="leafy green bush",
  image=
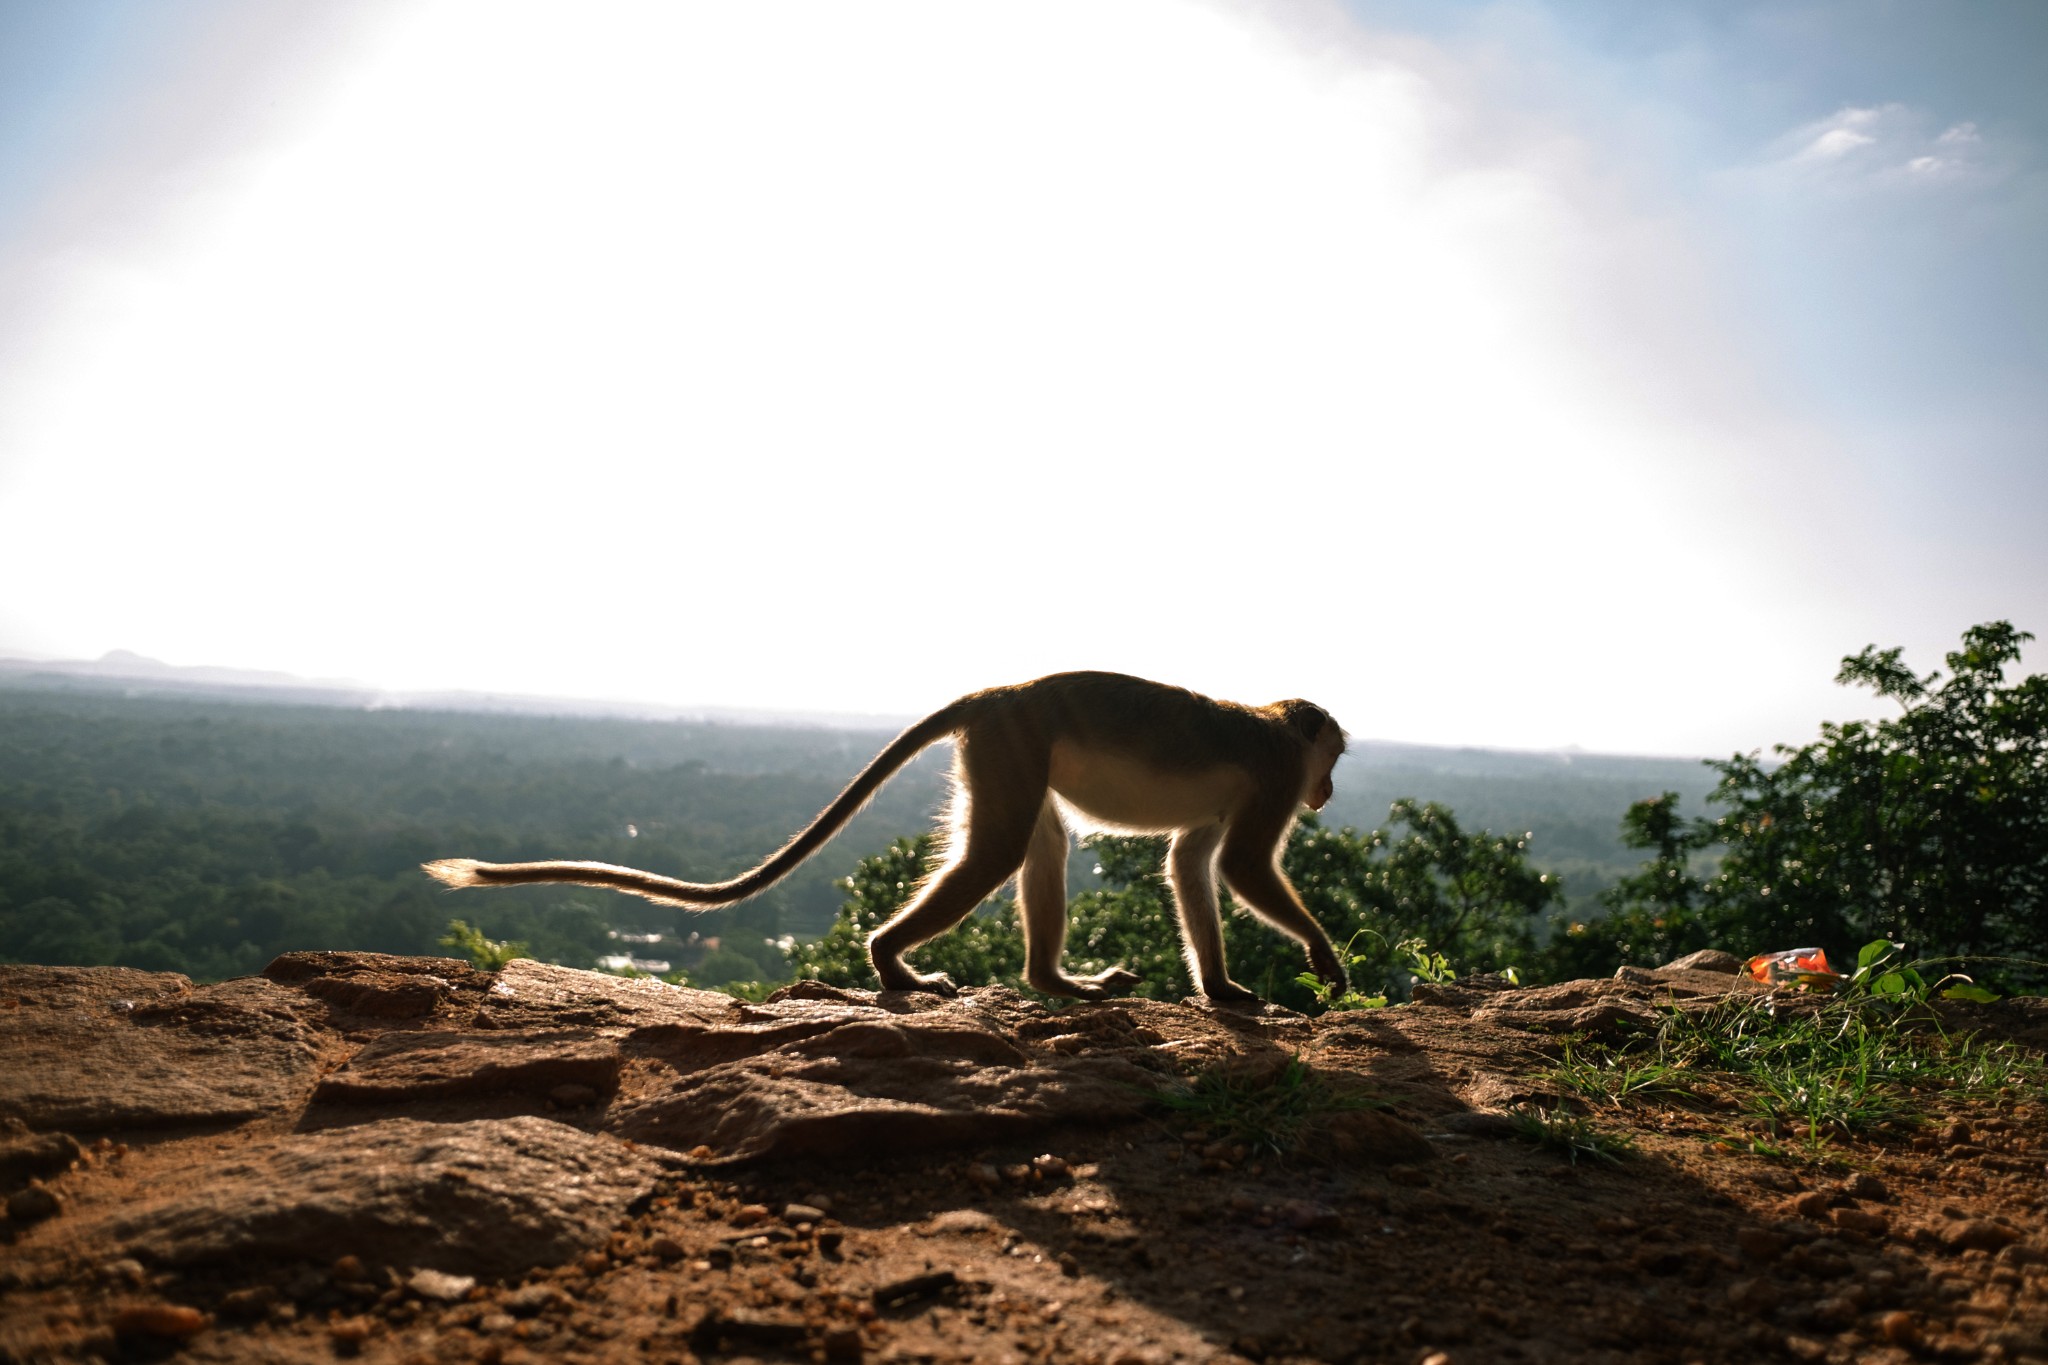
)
(485, 954)
(1930, 827)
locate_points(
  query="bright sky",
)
(1523, 374)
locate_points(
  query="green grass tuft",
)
(1560, 1130)
(1269, 1110)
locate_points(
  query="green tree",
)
(1929, 828)
(1653, 914)
(723, 966)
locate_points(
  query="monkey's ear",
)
(1307, 718)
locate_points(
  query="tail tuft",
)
(454, 872)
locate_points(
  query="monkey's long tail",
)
(462, 872)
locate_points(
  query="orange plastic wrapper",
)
(1801, 968)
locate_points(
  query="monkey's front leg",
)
(1251, 869)
(1191, 872)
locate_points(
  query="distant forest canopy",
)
(208, 835)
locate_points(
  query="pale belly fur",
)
(1115, 793)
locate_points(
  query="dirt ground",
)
(1157, 1241)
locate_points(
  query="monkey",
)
(1100, 752)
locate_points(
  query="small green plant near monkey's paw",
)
(1326, 995)
(485, 954)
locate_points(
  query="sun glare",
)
(848, 357)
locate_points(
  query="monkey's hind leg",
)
(1042, 907)
(991, 829)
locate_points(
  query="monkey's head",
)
(1323, 738)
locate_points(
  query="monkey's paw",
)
(1104, 985)
(1228, 992)
(938, 983)
(1113, 981)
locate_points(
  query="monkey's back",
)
(1169, 728)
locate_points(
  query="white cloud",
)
(1873, 146)
(1836, 142)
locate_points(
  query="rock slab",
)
(93, 1048)
(419, 1065)
(842, 1076)
(494, 1197)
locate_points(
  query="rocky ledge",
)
(407, 1159)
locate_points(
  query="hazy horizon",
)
(214, 681)
(1529, 374)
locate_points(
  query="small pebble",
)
(159, 1320)
(985, 1175)
(1866, 1186)
(252, 1302)
(803, 1213)
(441, 1286)
(1050, 1166)
(746, 1215)
(347, 1268)
(1760, 1244)
(1304, 1215)
(349, 1331)
(33, 1205)
(1754, 1295)
(1861, 1220)
(533, 1298)
(1899, 1328)
(668, 1248)
(1813, 1204)
(1977, 1234)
